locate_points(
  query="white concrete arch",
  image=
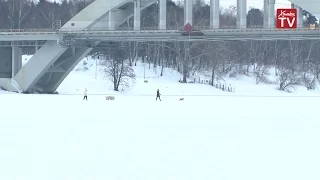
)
(52, 63)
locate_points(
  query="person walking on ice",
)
(158, 95)
(85, 94)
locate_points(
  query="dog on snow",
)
(181, 99)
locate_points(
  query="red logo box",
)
(286, 18)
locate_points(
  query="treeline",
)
(28, 14)
(293, 62)
(18, 14)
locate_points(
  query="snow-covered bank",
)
(168, 83)
(84, 76)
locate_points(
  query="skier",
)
(85, 94)
(158, 95)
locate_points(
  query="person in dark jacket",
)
(158, 95)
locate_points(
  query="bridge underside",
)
(59, 70)
(52, 62)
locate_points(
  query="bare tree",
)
(136, 48)
(162, 57)
(179, 54)
(18, 10)
(148, 49)
(118, 68)
(12, 11)
(309, 79)
(175, 15)
(294, 58)
(70, 7)
(228, 17)
(316, 62)
(288, 80)
(201, 14)
(235, 59)
(218, 51)
(49, 12)
(23, 9)
(261, 69)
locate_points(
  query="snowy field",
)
(210, 135)
(223, 138)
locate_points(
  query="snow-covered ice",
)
(135, 137)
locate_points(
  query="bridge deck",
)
(108, 35)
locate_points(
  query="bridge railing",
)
(170, 28)
(154, 28)
(195, 28)
(27, 30)
(21, 43)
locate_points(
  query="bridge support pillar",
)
(265, 13)
(137, 9)
(37, 46)
(163, 15)
(269, 14)
(241, 13)
(112, 24)
(214, 14)
(299, 15)
(6, 65)
(188, 11)
(16, 60)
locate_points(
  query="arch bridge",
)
(99, 21)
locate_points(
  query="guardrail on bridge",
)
(153, 28)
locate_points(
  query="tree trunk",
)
(212, 77)
(223, 67)
(185, 63)
(154, 56)
(169, 59)
(184, 74)
(136, 52)
(120, 75)
(317, 72)
(130, 54)
(159, 55)
(184, 70)
(115, 87)
(161, 74)
(115, 74)
(162, 59)
(275, 58)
